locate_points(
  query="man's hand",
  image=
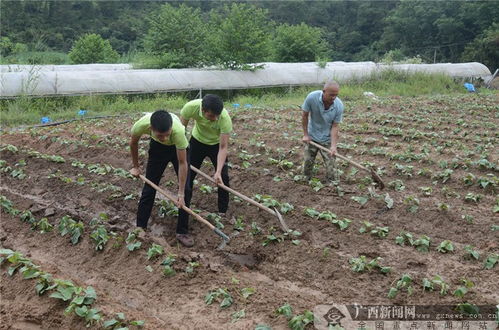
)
(180, 201)
(135, 172)
(332, 151)
(218, 178)
(306, 138)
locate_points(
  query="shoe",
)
(185, 239)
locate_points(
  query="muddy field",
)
(437, 156)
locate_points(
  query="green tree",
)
(243, 35)
(6, 46)
(485, 48)
(298, 43)
(91, 48)
(176, 37)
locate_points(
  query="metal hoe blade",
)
(283, 224)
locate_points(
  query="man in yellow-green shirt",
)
(168, 144)
(210, 138)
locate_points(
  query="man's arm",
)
(134, 152)
(184, 121)
(182, 175)
(335, 136)
(304, 124)
(221, 157)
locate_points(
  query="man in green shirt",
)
(210, 138)
(168, 144)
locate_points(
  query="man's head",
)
(161, 124)
(330, 91)
(212, 106)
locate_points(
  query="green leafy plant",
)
(360, 199)
(69, 226)
(471, 252)
(131, 240)
(239, 223)
(397, 185)
(405, 282)
(219, 294)
(404, 238)
(28, 217)
(412, 203)
(215, 218)
(471, 197)
(380, 231)
(462, 290)
(365, 227)
(255, 229)
(361, 264)
(191, 266)
(169, 271)
(316, 184)
(445, 246)
(313, 213)
(7, 206)
(342, 224)
(429, 285)
(205, 189)
(44, 283)
(491, 261)
(468, 218)
(285, 310)
(422, 244)
(247, 292)
(272, 238)
(445, 175)
(100, 237)
(299, 322)
(443, 206)
(236, 316)
(43, 226)
(155, 250)
(167, 208)
(426, 191)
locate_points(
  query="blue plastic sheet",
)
(45, 120)
(469, 87)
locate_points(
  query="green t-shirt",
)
(206, 131)
(177, 136)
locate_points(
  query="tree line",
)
(230, 34)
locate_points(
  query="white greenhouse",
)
(62, 80)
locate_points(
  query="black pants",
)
(159, 157)
(197, 153)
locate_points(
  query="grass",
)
(36, 57)
(26, 110)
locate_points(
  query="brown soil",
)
(314, 272)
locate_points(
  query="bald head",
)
(330, 91)
(331, 84)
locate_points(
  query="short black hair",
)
(212, 103)
(161, 121)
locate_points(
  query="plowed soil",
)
(430, 134)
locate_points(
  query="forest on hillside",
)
(198, 33)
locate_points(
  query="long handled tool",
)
(282, 223)
(374, 175)
(188, 210)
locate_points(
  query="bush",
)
(485, 48)
(242, 36)
(176, 38)
(299, 43)
(91, 48)
(6, 46)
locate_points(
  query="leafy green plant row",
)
(407, 284)
(79, 299)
